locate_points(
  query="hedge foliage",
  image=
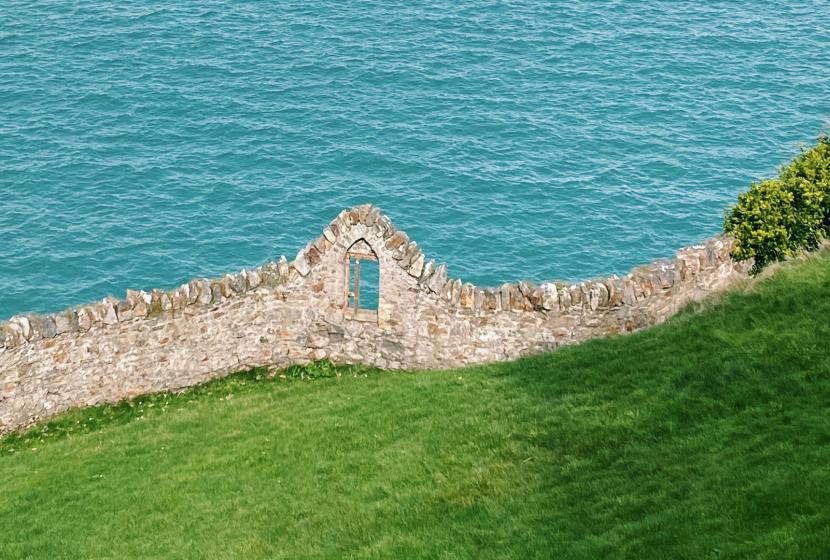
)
(776, 218)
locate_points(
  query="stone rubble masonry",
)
(285, 313)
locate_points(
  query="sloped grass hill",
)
(708, 437)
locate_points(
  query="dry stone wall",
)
(290, 312)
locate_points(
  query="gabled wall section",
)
(283, 313)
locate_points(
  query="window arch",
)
(362, 288)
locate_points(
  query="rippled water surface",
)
(142, 144)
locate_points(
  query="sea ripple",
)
(143, 144)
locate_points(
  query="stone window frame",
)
(355, 313)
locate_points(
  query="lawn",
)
(708, 437)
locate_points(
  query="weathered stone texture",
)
(283, 313)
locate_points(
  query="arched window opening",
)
(362, 282)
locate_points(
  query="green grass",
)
(708, 437)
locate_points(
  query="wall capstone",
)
(283, 313)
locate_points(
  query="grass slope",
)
(708, 437)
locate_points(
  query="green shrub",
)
(776, 218)
(312, 370)
(813, 166)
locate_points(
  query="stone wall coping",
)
(202, 294)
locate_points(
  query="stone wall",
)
(289, 312)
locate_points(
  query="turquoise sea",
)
(146, 143)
